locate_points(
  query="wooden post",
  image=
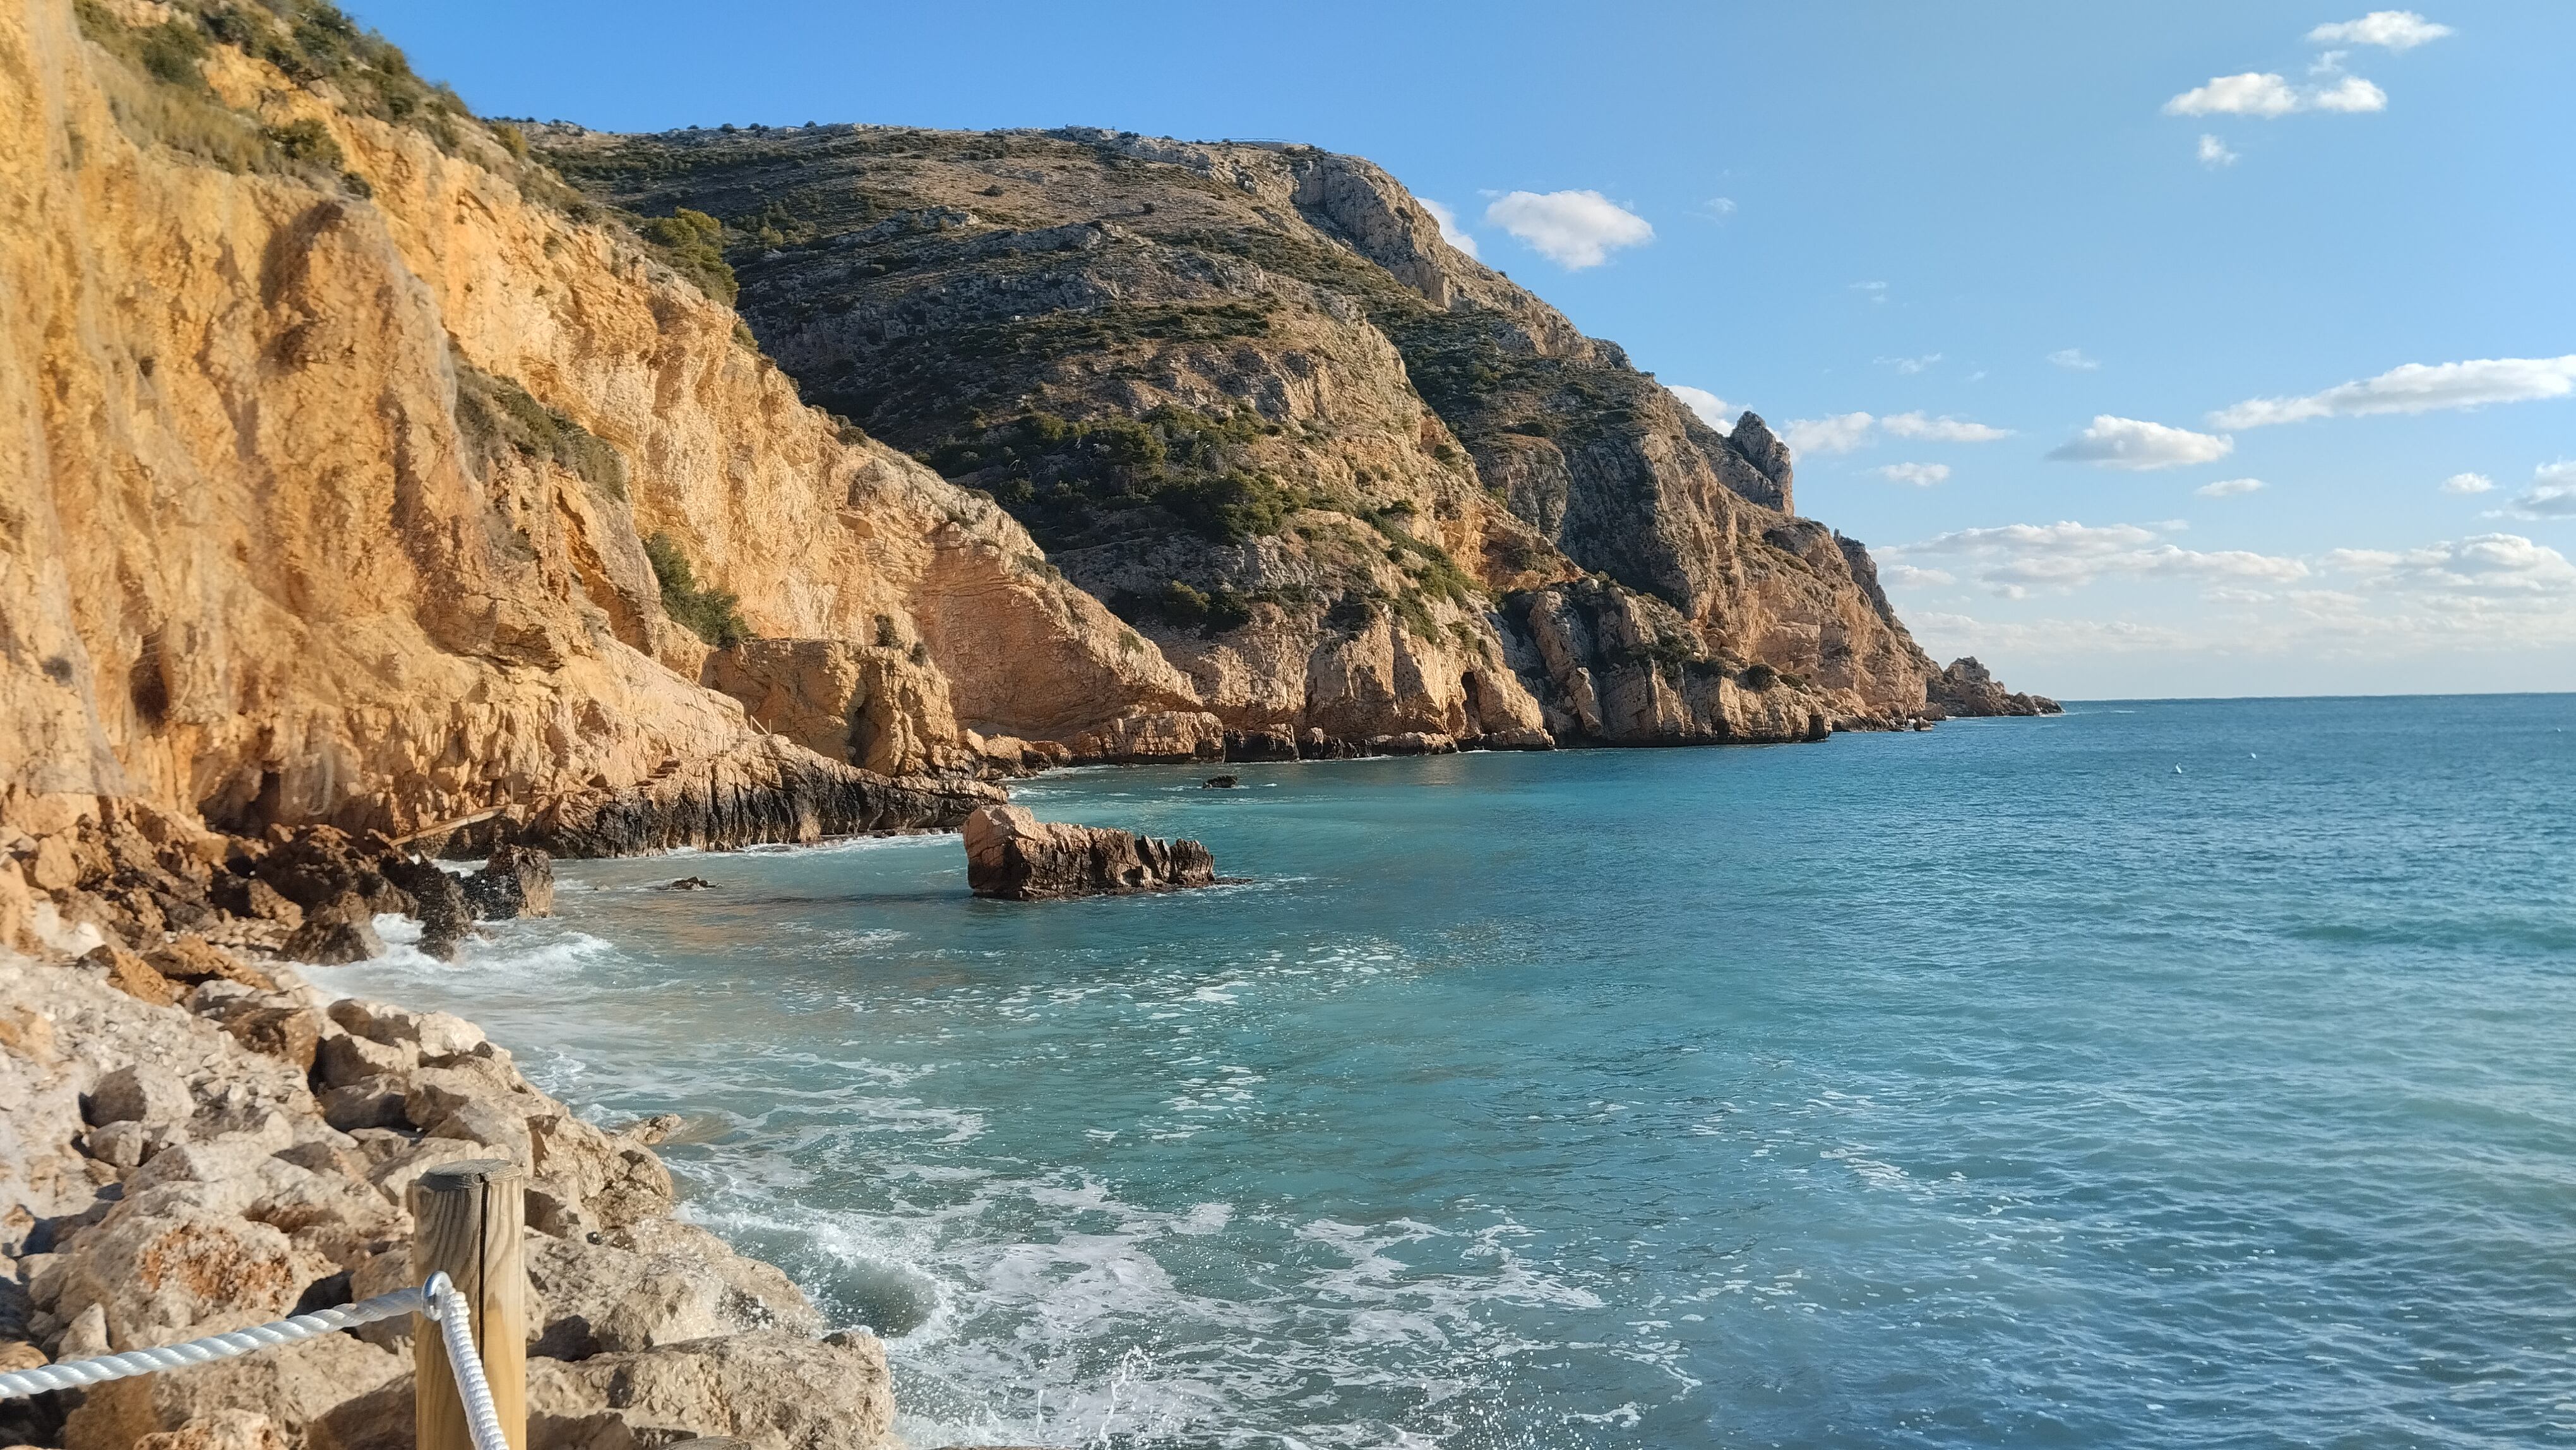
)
(467, 1220)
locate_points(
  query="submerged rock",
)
(1013, 855)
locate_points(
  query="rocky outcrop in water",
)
(1969, 689)
(1013, 855)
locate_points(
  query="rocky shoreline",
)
(199, 1137)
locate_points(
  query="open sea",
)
(2167, 1074)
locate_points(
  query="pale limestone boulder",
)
(754, 1279)
(184, 1270)
(292, 1387)
(345, 1057)
(394, 1177)
(429, 1034)
(141, 1092)
(225, 1429)
(780, 1391)
(585, 1180)
(598, 1298)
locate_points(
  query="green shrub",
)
(711, 614)
(1181, 606)
(493, 411)
(1064, 479)
(306, 141)
(1759, 676)
(693, 243)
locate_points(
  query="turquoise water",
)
(2005, 1085)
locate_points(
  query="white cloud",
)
(2468, 483)
(2483, 564)
(1840, 433)
(1875, 291)
(2255, 93)
(2416, 388)
(2350, 95)
(1912, 577)
(2552, 494)
(2015, 558)
(2329, 63)
(1449, 230)
(2264, 94)
(1713, 410)
(1575, 229)
(2073, 360)
(1720, 207)
(2392, 29)
(2133, 443)
(1909, 365)
(1920, 475)
(2214, 152)
(1944, 429)
(2228, 487)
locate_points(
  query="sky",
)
(2156, 350)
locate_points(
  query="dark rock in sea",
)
(318, 866)
(689, 883)
(446, 918)
(1968, 689)
(334, 939)
(517, 881)
(1221, 782)
(1013, 855)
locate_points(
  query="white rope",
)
(20, 1383)
(456, 1323)
(436, 1301)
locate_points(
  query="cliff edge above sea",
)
(375, 465)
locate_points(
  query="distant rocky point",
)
(1968, 688)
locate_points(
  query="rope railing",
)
(436, 1301)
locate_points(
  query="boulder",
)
(428, 1034)
(291, 1034)
(607, 1297)
(132, 975)
(332, 939)
(293, 1387)
(223, 1429)
(320, 866)
(582, 1180)
(179, 1270)
(249, 896)
(142, 1092)
(438, 897)
(1013, 855)
(346, 1057)
(192, 960)
(781, 1391)
(517, 881)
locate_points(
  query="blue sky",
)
(2025, 217)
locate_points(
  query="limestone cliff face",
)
(263, 556)
(1248, 396)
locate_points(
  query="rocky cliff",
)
(356, 469)
(1342, 475)
(336, 434)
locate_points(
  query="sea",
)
(2168, 1073)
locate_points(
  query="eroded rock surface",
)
(1967, 688)
(1013, 855)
